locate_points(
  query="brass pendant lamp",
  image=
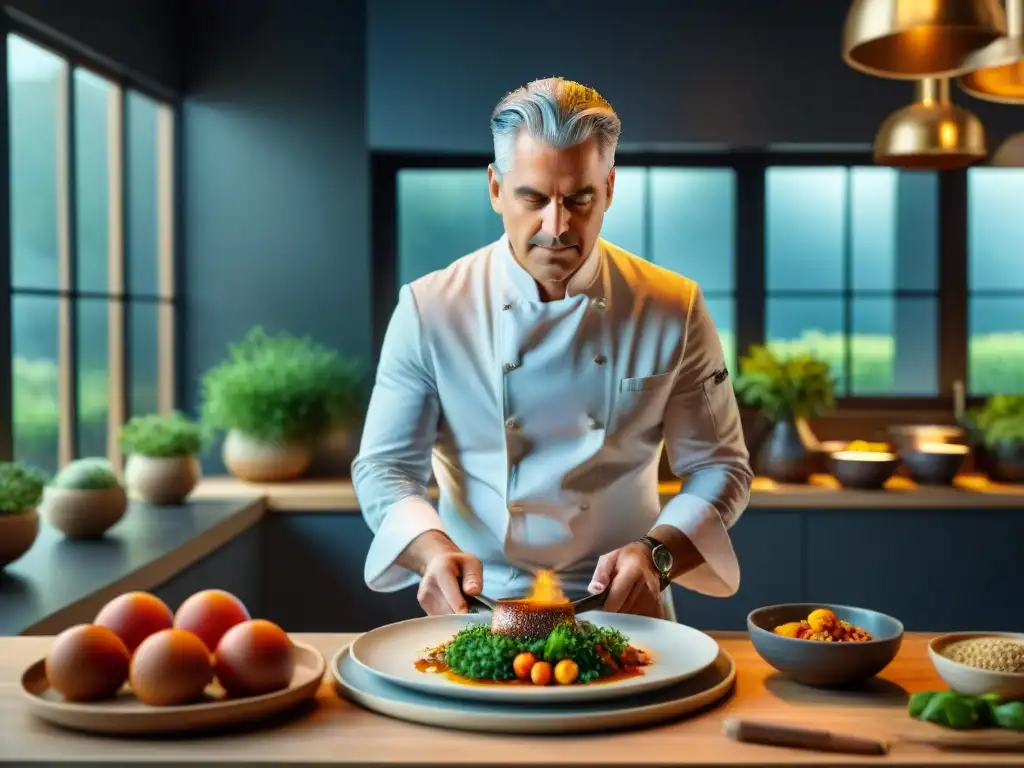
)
(932, 133)
(915, 39)
(998, 69)
(1010, 153)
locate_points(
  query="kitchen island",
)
(337, 732)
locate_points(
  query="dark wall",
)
(141, 35)
(740, 73)
(276, 175)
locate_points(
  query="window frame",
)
(750, 277)
(167, 297)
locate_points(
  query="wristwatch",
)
(661, 556)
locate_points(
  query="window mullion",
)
(848, 283)
(165, 258)
(952, 313)
(116, 352)
(6, 303)
(67, 328)
(749, 264)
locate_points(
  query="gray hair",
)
(560, 112)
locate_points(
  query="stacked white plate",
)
(688, 672)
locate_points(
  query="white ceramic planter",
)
(83, 514)
(18, 533)
(259, 462)
(162, 479)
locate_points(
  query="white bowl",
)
(972, 680)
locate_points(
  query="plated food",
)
(980, 663)
(998, 654)
(170, 658)
(825, 644)
(574, 652)
(822, 625)
(866, 446)
(606, 656)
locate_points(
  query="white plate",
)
(677, 652)
(355, 683)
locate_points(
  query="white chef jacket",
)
(545, 422)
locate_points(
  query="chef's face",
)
(552, 202)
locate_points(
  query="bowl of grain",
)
(976, 663)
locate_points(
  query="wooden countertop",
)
(340, 733)
(823, 492)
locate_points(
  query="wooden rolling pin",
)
(799, 737)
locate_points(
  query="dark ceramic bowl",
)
(863, 469)
(935, 463)
(825, 664)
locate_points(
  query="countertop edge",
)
(158, 571)
(337, 496)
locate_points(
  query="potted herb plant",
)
(278, 398)
(997, 431)
(787, 391)
(21, 490)
(162, 465)
(84, 499)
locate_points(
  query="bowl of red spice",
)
(978, 663)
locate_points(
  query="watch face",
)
(662, 558)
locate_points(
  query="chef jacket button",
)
(594, 424)
(512, 424)
(510, 367)
(506, 307)
(515, 508)
(600, 359)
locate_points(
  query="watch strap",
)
(651, 543)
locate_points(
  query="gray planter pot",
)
(789, 452)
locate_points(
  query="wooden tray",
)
(355, 682)
(126, 715)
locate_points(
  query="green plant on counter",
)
(21, 488)
(162, 436)
(282, 388)
(957, 710)
(89, 474)
(1008, 431)
(798, 386)
(999, 420)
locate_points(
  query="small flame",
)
(546, 589)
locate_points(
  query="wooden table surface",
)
(338, 732)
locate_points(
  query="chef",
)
(540, 377)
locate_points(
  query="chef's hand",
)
(632, 582)
(446, 573)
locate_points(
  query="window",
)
(851, 274)
(681, 218)
(91, 279)
(906, 282)
(995, 248)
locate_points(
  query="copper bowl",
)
(525, 618)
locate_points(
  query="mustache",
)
(568, 240)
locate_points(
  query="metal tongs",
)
(479, 603)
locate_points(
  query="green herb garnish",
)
(958, 710)
(478, 654)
